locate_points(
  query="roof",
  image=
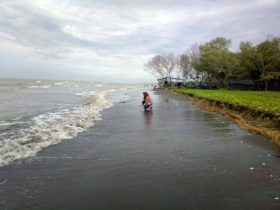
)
(164, 78)
(241, 82)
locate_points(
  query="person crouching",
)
(147, 101)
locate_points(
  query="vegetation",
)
(213, 63)
(259, 100)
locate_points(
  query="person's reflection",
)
(148, 117)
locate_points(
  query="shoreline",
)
(245, 117)
(169, 158)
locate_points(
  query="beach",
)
(173, 157)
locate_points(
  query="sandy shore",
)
(175, 157)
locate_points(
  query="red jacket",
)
(148, 100)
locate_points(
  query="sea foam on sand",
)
(51, 128)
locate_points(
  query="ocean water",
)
(36, 114)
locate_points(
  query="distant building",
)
(170, 81)
(207, 87)
(241, 85)
(272, 85)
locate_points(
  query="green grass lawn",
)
(260, 100)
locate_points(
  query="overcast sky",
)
(110, 40)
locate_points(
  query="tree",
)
(248, 68)
(196, 74)
(184, 65)
(229, 69)
(262, 61)
(217, 62)
(267, 59)
(213, 63)
(161, 66)
(155, 66)
(169, 64)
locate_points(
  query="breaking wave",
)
(59, 83)
(98, 85)
(85, 93)
(51, 128)
(40, 86)
(4, 123)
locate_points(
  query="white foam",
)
(4, 123)
(85, 93)
(124, 88)
(98, 85)
(51, 128)
(3, 182)
(40, 86)
(59, 83)
(111, 90)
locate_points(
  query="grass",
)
(260, 100)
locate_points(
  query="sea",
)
(35, 114)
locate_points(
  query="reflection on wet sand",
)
(148, 117)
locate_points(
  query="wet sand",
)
(175, 157)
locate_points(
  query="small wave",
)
(111, 90)
(4, 123)
(38, 81)
(85, 93)
(71, 85)
(124, 99)
(3, 182)
(51, 128)
(40, 86)
(59, 83)
(98, 85)
(124, 88)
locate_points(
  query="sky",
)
(110, 40)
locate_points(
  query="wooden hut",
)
(241, 84)
(169, 81)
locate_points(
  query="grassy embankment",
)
(258, 111)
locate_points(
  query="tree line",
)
(213, 63)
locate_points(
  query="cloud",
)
(115, 37)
